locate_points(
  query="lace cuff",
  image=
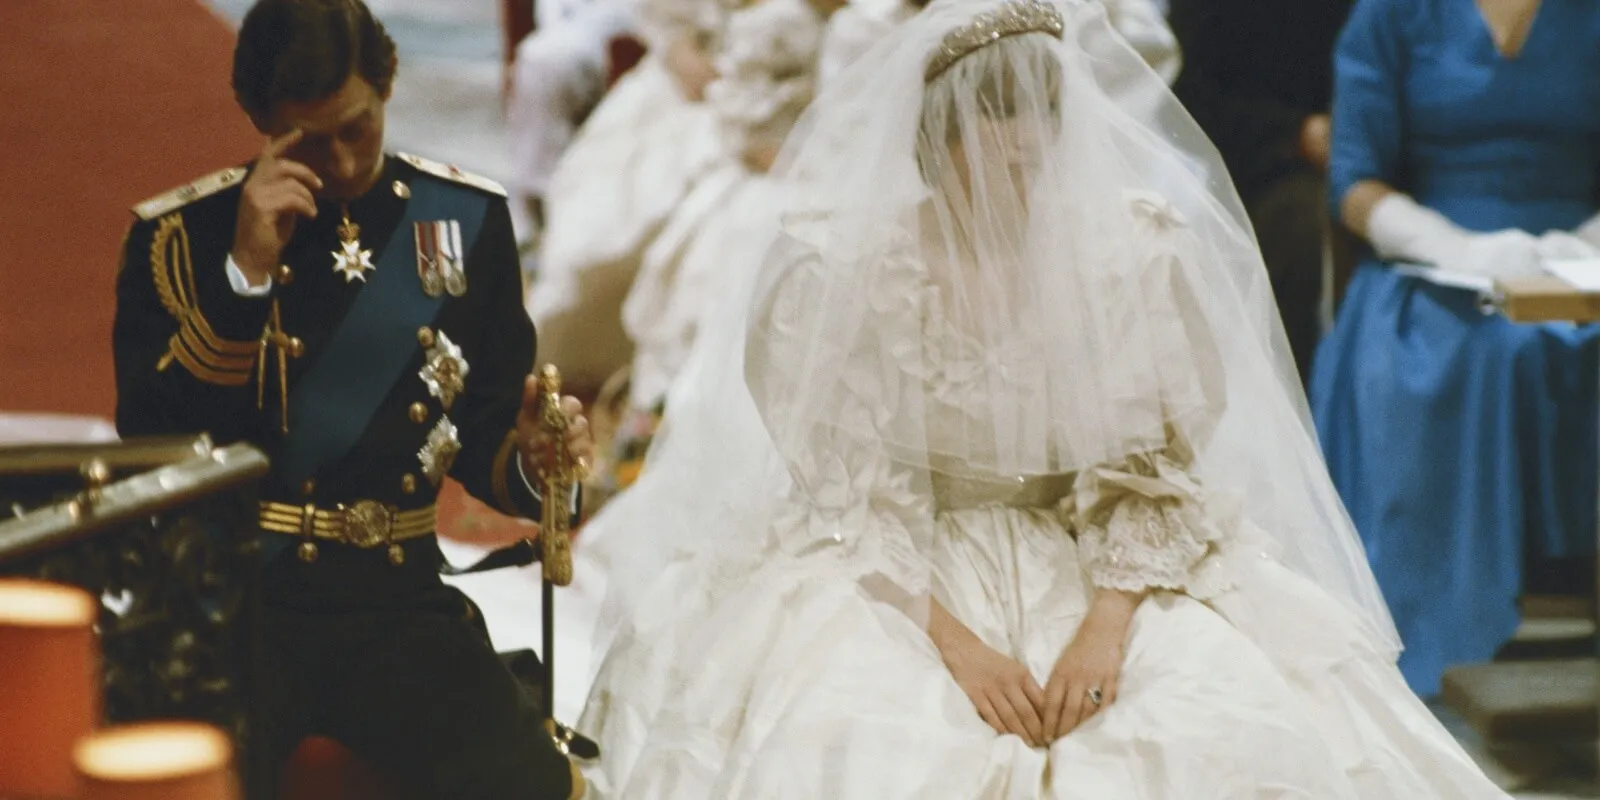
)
(1143, 525)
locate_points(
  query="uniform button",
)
(408, 483)
(401, 190)
(308, 552)
(419, 413)
(425, 337)
(308, 487)
(297, 348)
(285, 275)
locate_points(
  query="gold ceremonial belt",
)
(364, 523)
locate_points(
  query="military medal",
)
(440, 263)
(444, 370)
(439, 452)
(350, 260)
(428, 258)
(453, 261)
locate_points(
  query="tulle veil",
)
(977, 197)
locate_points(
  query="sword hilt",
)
(560, 474)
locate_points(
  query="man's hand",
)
(534, 439)
(278, 191)
(1316, 140)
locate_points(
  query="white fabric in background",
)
(45, 428)
(559, 70)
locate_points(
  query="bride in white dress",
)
(1014, 493)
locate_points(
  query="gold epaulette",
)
(188, 193)
(451, 172)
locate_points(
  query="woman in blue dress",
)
(1466, 135)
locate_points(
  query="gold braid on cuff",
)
(207, 356)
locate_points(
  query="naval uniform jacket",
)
(193, 355)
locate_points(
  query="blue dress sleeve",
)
(1368, 95)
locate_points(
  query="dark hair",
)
(997, 89)
(304, 50)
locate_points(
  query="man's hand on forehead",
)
(279, 191)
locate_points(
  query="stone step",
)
(1552, 627)
(1547, 606)
(1527, 700)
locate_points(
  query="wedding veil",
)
(1008, 254)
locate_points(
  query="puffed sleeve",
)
(1143, 522)
(849, 495)
(1369, 67)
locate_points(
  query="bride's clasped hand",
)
(1010, 699)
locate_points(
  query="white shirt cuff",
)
(241, 284)
(538, 495)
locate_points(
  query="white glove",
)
(1589, 231)
(1401, 230)
(1560, 245)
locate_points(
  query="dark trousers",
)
(1290, 216)
(398, 667)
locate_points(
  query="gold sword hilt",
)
(560, 473)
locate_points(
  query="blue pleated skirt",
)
(1461, 443)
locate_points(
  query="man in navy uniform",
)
(358, 316)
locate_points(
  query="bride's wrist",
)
(947, 632)
(1115, 607)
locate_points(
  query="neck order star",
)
(350, 260)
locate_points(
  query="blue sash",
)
(332, 403)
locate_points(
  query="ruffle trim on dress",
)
(1146, 525)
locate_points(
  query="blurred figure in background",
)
(619, 546)
(625, 172)
(1466, 137)
(766, 73)
(562, 71)
(1258, 77)
(854, 30)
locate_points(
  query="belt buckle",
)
(368, 524)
